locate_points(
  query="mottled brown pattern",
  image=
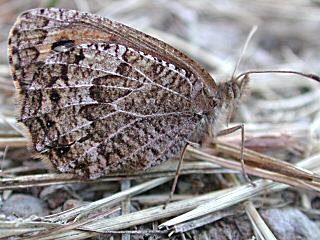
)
(99, 97)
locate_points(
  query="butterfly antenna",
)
(306, 75)
(244, 48)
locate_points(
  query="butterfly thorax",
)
(215, 108)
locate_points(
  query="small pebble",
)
(22, 205)
(56, 195)
(290, 223)
(72, 203)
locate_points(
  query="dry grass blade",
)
(16, 228)
(306, 181)
(84, 210)
(106, 202)
(124, 221)
(239, 194)
(207, 219)
(68, 227)
(33, 180)
(261, 228)
(265, 162)
(156, 213)
(13, 142)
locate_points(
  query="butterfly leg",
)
(175, 181)
(231, 130)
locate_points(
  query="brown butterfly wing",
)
(100, 97)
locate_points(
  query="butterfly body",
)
(99, 97)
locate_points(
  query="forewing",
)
(94, 98)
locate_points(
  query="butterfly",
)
(97, 96)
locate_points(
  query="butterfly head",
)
(231, 91)
(227, 98)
